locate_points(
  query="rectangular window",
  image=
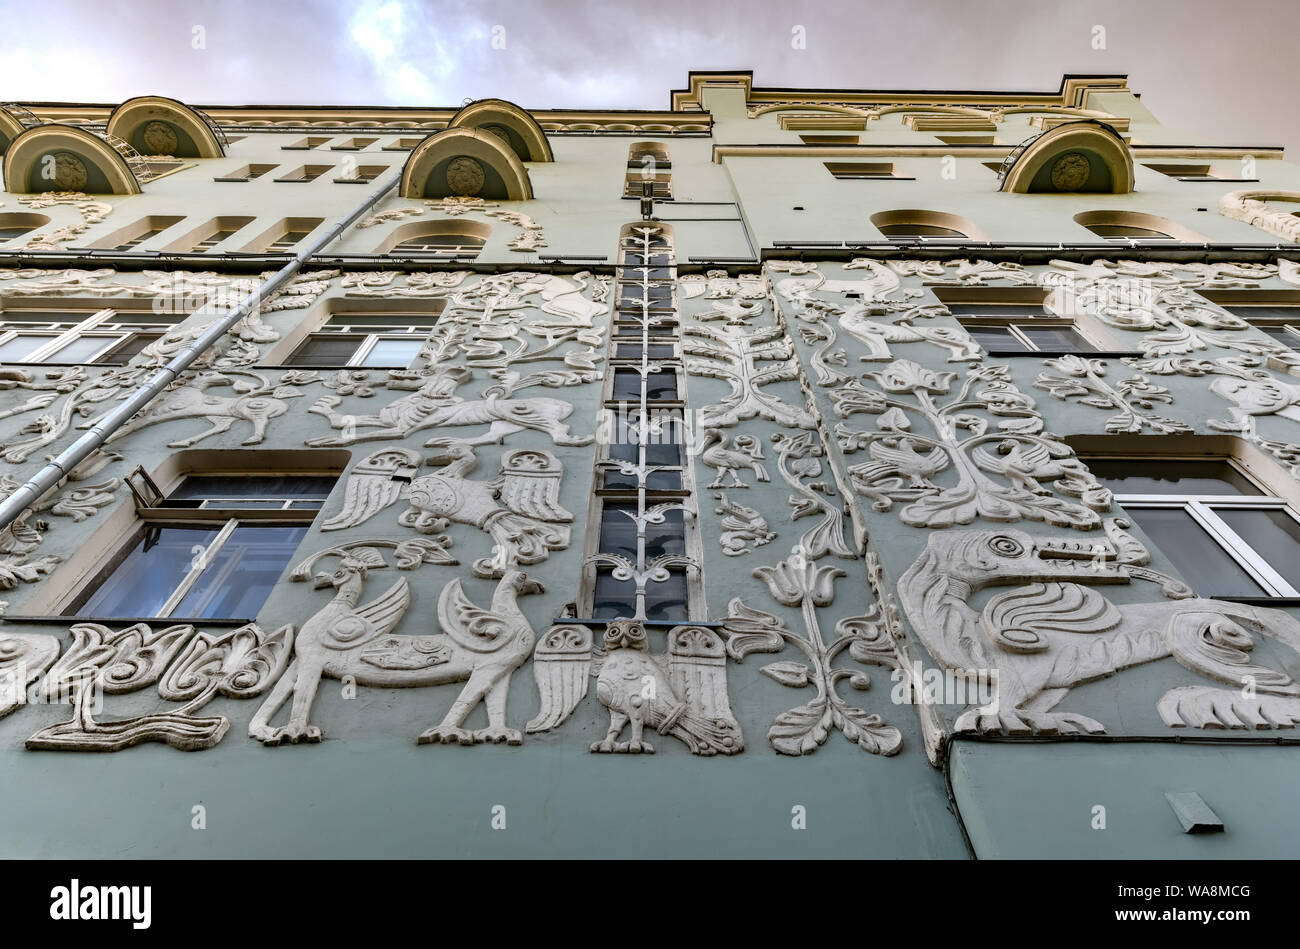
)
(829, 139)
(402, 145)
(390, 340)
(864, 169)
(246, 173)
(92, 338)
(353, 144)
(137, 233)
(218, 560)
(1045, 336)
(965, 139)
(364, 173)
(1227, 536)
(305, 173)
(311, 141)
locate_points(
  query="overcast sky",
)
(1225, 70)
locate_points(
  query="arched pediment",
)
(65, 158)
(509, 123)
(1252, 208)
(465, 162)
(1075, 157)
(156, 125)
(10, 129)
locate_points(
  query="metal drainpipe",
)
(83, 447)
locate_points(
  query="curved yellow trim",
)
(10, 128)
(457, 228)
(997, 114)
(451, 142)
(1151, 222)
(501, 112)
(956, 222)
(1250, 207)
(1092, 136)
(25, 150)
(933, 110)
(133, 113)
(810, 107)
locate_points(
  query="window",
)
(92, 338)
(864, 169)
(363, 174)
(965, 139)
(830, 139)
(311, 141)
(644, 483)
(925, 226)
(1226, 535)
(1008, 328)
(211, 549)
(441, 246)
(402, 145)
(16, 225)
(1126, 226)
(209, 235)
(246, 173)
(305, 173)
(1275, 313)
(133, 235)
(1196, 172)
(353, 144)
(648, 163)
(390, 339)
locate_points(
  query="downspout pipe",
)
(54, 472)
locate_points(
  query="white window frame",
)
(1201, 508)
(367, 344)
(1012, 323)
(87, 327)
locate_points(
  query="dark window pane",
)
(239, 578)
(1142, 476)
(1281, 334)
(614, 598)
(1274, 535)
(81, 349)
(1201, 561)
(666, 601)
(283, 487)
(323, 351)
(618, 530)
(1018, 310)
(627, 385)
(150, 573)
(1126, 230)
(661, 385)
(1056, 338)
(134, 344)
(18, 348)
(995, 337)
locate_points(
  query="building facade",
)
(786, 473)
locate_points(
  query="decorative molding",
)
(1001, 470)
(1251, 208)
(1052, 631)
(480, 647)
(799, 582)
(1134, 397)
(525, 526)
(740, 524)
(681, 692)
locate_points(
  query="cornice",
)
(1073, 91)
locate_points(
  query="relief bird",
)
(746, 453)
(676, 694)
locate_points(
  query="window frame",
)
(1200, 507)
(89, 327)
(154, 515)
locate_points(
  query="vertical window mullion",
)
(1240, 551)
(202, 563)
